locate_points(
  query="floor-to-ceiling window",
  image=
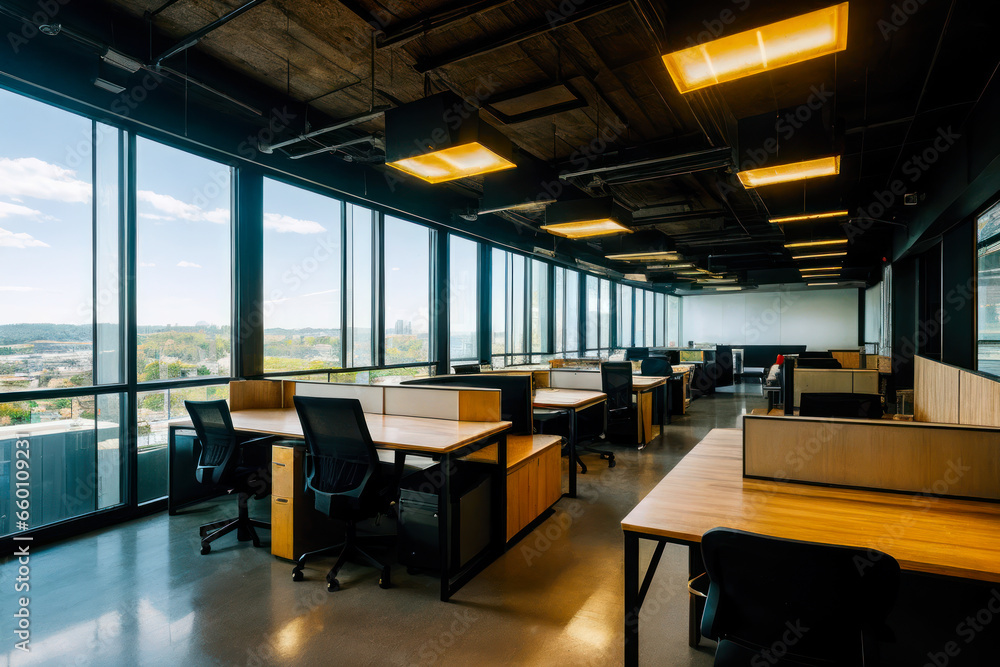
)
(673, 321)
(463, 295)
(988, 290)
(184, 294)
(302, 279)
(407, 263)
(566, 312)
(625, 315)
(538, 309)
(360, 290)
(62, 428)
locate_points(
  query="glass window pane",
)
(593, 311)
(559, 310)
(673, 321)
(302, 295)
(407, 291)
(539, 305)
(640, 319)
(155, 410)
(625, 316)
(463, 295)
(75, 458)
(988, 291)
(110, 334)
(498, 297)
(46, 221)
(184, 271)
(605, 313)
(649, 318)
(661, 319)
(360, 230)
(572, 312)
(517, 306)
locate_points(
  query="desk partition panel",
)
(947, 394)
(575, 379)
(371, 396)
(909, 457)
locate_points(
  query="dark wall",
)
(958, 303)
(904, 321)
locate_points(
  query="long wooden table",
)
(572, 401)
(441, 439)
(955, 538)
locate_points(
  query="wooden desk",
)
(442, 439)
(572, 401)
(955, 538)
(643, 387)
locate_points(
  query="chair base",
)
(348, 550)
(242, 524)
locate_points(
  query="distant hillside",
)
(12, 334)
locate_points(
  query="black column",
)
(248, 273)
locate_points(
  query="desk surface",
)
(419, 434)
(646, 382)
(706, 489)
(574, 399)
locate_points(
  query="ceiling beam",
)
(408, 29)
(519, 34)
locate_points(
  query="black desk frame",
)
(452, 583)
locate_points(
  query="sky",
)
(183, 240)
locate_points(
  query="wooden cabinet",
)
(533, 484)
(296, 526)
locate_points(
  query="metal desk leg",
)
(572, 453)
(444, 541)
(696, 605)
(632, 603)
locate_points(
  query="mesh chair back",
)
(761, 587)
(343, 466)
(616, 382)
(219, 443)
(656, 366)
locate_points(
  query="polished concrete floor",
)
(141, 594)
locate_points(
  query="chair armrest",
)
(694, 591)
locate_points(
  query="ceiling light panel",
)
(794, 171)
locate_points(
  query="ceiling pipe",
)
(339, 125)
(196, 36)
(409, 29)
(708, 159)
(325, 149)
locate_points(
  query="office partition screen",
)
(302, 279)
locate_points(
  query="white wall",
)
(821, 319)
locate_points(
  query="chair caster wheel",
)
(205, 550)
(256, 543)
(611, 463)
(384, 581)
(297, 575)
(333, 586)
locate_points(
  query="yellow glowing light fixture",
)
(822, 275)
(587, 228)
(767, 48)
(819, 284)
(804, 217)
(821, 268)
(809, 244)
(690, 273)
(824, 254)
(794, 171)
(645, 257)
(728, 289)
(583, 218)
(441, 138)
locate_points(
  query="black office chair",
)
(616, 382)
(344, 473)
(819, 604)
(847, 406)
(227, 463)
(659, 367)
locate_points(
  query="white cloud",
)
(285, 223)
(31, 177)
(171, 208)
(9, 239)
(188, 265)
(16, 288)
(7, 210)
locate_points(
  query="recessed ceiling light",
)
(809, 216)
(820, 268)
(587, 228)
(795, 171)
(819, 284)
(822, 275)
(806, 244)
(645, 257)
(767, 48)
(824, 254)
(728, 289)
